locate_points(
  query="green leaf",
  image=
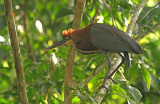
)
(135, 93)
(129, 73)
(146, 77)
(118, 89)
(63, 12)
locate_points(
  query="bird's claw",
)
(102, 86)
(113, 81)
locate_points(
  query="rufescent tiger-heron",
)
(103, 38)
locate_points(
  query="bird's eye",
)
(69, 36)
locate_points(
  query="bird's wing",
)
(111, 39)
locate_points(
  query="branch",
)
(109, 7)
(147, 13)
(148, 22)
(16, 52)
(93, 20)
(30, 49)
(140, 36)
(116, 62)
(135, 17)
(116, 59)
(71, 53)
(50, 77)
(96, 71)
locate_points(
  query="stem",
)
(140, 36)
(148, 22)
(50, 77)
(25, 20)
(147, 13)
(16, 52)
(95, 72)
(135, 17)
(109, 7)
(71, 53)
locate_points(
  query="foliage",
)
(140, 83)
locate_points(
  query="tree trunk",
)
(16, 52)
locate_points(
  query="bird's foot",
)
(113, 81)
(102, 86)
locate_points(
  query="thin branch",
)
(135, 17)
(93, 20)
(140, 36)
(147, 13)
(16, 52)
(148, 22)
(109, 7)
(71, 53)
(25, 20)
(50, 76)
(95, 72)
(90, 61)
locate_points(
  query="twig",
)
(50, 77)
(109, 7)
(25, 20)
(71, 53)
(148, 22)
(95, 72)
(93, 20)
(16, 52)
(140, 36)
(135, 17)
(147, 13)
(90, 62)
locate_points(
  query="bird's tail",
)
(126, 56)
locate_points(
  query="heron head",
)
(67, 39)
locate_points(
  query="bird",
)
(100, 38)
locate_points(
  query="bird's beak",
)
(66, 41)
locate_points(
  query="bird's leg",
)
(109, 66)
(126, 56)
(123, 59)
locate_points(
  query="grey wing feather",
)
(112, 39)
